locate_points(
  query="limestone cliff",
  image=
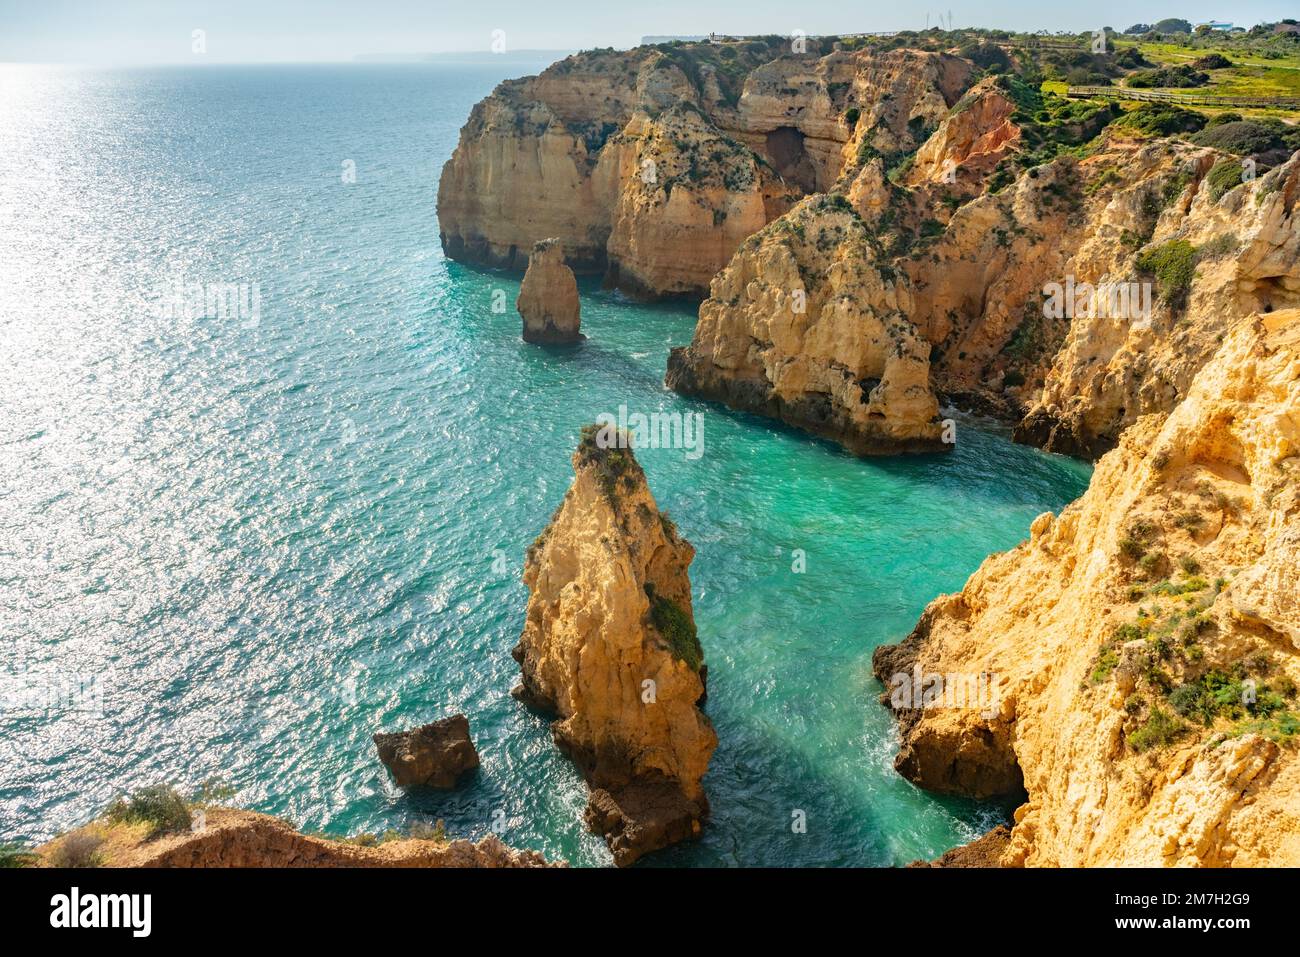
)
(968, 144)
(685, 195)
(609, 648)
(1143, 646)
(548, 297)
(225, 837)
(1135, 219)
(959, 201)
(1212, 256)
(652, 165)
(804, 325)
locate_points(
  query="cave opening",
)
(785, 151)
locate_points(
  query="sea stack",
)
(548, 297)
(609, 648)
(434, 755)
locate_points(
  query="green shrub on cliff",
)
(1049, 126)
(1162, 119)
(1131, 548)
(1169, 77)
(1159, 731)
(1281, 728)
(1245, 137)
(677, 628)
(608, 451)
(1107, 661)
(157, 805)
(17, 855)
(82, 848)
(1173, 264)
(213, 790)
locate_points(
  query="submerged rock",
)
(548, 297)
(434, 755)
(609, 647)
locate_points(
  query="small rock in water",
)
(548, 297)
(644, 816)
(434, 756)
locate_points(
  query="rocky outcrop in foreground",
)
(984, 851)
(609, 648)
(548, 297)
(225, 837)
(1141, 649)
(434, 755)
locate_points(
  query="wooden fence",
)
(1184, 99)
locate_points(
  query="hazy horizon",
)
(240, 31)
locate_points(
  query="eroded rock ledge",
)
(1145, 643)
(233, 838)
(609, 648)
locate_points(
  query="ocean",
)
(239, 538)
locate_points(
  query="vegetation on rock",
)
(158, 805)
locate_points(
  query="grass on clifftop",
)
(159, 806)
(598, 449)
(17, 855)
(1258, 63)
(1232, 134)
(1050, 125)
(418, 831)
(1162, 119)
(1165, 653)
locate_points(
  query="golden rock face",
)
(548, 297)
(655, 178)
(850, 313)
(803, 325)
(1087, 641)
(609, 649)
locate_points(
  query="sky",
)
(164, 31)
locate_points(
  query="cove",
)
(281, 539)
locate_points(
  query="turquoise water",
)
(273, 539)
